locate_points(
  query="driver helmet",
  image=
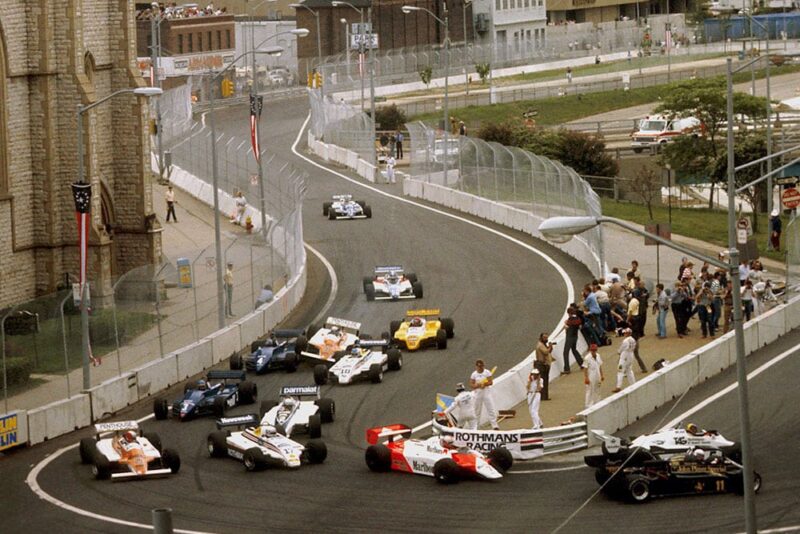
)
(416, 321)
(392, 277)
(289, 402)
(448, 441)
(129, 436)
(460, 387)
(355, 351)
(693, 429)
(698, 453)
(201, 385)
(335, 330)
(268, 430)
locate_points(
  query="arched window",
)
(4, 181)
(88, 67)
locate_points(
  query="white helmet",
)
(392, 276)
(289, 401)
(335, 330)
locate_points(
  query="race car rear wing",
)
(227, 375)
(381, 269)
(388, 432)
(348, 326)
(288, 333)
(342, 198)
(424, 312)
(240, 420)
(300, 391)
(118, 426)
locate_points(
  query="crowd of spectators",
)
(175, 11)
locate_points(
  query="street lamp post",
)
(361, 49)
(346, 43)
(301, 5)
(408, 9)
(82, 193)
(155, 60)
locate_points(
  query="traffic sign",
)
(741, 236)
(790, 198)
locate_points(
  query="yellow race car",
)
(422, 328)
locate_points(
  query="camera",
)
(552, 343)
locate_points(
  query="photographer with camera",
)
(544, 357)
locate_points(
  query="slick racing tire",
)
(370, 292)
(327, 409)
(315, 452)
(378, 458)
(385, 336)
(326, 206)
(236, 362)
(368, 211)
(87, 449)
(376, 373)
(266, 406)
(290, 362)
(601, 476)
(154, 439)
(412, 277)
(171, 460)
(101, 467)
(254, 459)
(441, 339)
(638, 489)
(315, 426)
(500, 459)
(217, 444)
(416, 287)
(448, 325)
(446, 471)
(160, 409)
(219, 407)
(366, 282)
(320, 374)
(331, 215)
(738, 483)
(395, 357)
(310, 331)
(300, 344)
(362, 203)
(394, 326)
(248, 392)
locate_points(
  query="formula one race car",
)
(261, 446)
(697, 471)
(332, 340)
(365, 360)
(279, 351)
(436, 456)
(291, 414)
(391, 283)
(420, 329)
(208, 399)
(344, 207)
(127, 454)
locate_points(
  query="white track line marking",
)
(560, 270)
(334, 283)
(682, 417)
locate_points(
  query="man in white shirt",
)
(169, 196)
(625, 369)
(592, 375)
(390, 163)
(534, 396)
(481, 383)
(464, 406)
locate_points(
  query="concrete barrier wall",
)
(771, 326)
(193, 359)
(157, 375)
(251, 327)
(113, 395)
(57, 418)
(716, 356)
(225, 342)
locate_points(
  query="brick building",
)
(54, 56)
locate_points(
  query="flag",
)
(82, 195)
(668, 39)
(256, 103)
(442, 402)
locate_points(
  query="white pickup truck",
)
(658, 130)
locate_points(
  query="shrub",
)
(426, 75)
(18, 370)
(483, 70)
(390, 118)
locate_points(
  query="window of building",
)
(505, 4)
(199, 42)
(219, 39)
(180, 43)
(210, 41)
(191, 43)
(228, 38)
(497, 5)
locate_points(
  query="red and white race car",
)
(437, 456)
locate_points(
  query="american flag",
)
(256, 103)
(82, 194)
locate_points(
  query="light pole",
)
(155, 60)
(215, 177)
(408, 9)
(82, 192)
(250, 10)
(346, 43)
(361, 48)
(464, 5)
(319, 38)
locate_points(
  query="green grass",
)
(704, 224)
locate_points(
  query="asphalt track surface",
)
(500, 296)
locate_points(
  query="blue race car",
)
(205, 398)
(279, 351)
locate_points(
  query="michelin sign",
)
(13, 429)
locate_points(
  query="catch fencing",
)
(342, 124)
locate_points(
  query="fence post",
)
(64, 337)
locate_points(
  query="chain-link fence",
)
(509, 175)
(343, 125)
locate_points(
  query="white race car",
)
(331, 341)
(126, 454)
(669, 442)
(291, 414)
(261, 446)
(365, 360)
(391, 283)
(436, 456)
(344, 207)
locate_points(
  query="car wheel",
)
(320, 375)
(331, 215)
(446, 471)
(236, 362)
(257, 344)
(376, 373)
(266, 406)
(368, 211)
(327, 409)
(171, 460)
(756, 482)
(639, 489)
(154, 439)
(395, 362)
(219, 407)
(441, 339)
(310, 331)
(737, 484)
(290, 362)
(160, 409)
(638, 150)
(315, 452)
(449, 326)
(601, 476)
(416, 287)
(378, 458)
(87, 450)
(501, 459)
(315, 426)
(101, 467)
(362, 203)
(300, 344)
(412, 277)
(394, 326)
(326, 206)
(254, 459)
(366, 282)
(385, 336)
(248, 392)
(370, 292)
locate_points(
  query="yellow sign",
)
(8, 431)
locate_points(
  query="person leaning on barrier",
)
(464, 404)
(544, 357)
(266, 296)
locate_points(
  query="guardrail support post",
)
(162, 520)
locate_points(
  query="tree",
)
(586, 154)
(390, 117)
(706, 100)
(426, 75)
(647, 186)
(483, 70)
(499, 133)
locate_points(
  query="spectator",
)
(660, 308)
(572, 327)
(265, 296)
(744, 272)
(635, 270)
(617, 294)
(678, 300)
(481, 382)
(688, 275)
(534, 397)
(399, 144)
(747, 300)
(613, 276)
(592, 376)
(604, 301)
(775, 230)
(727, 306)
(241, 208)
(462, 128)
(228, 283)
(569, 74)
(684, 261)
(544, 357)
(716, 301)
(625, 368)
(702, 301)
(464, 402)
(592, 307)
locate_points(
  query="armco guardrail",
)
(523, 444)
(62, 417)
(620, 410)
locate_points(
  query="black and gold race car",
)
(698, 471)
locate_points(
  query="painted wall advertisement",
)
(13, 429)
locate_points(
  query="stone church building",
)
(54, 56)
